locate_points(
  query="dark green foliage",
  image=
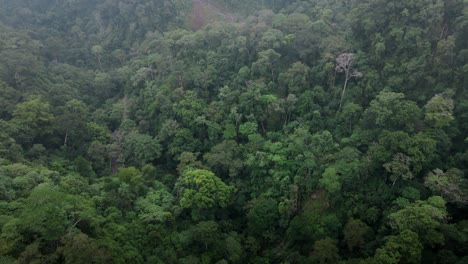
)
(233, 131)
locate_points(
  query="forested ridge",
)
(234, 131)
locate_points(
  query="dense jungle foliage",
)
(234, 131)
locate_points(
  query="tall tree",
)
(344, 64)
(201, 189)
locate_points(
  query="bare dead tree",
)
(344, 64)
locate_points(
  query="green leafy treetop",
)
(202, 189)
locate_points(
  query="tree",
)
(399, 167)
(410, 153)
(402, 248)
(344, 64)
(9, 149)
(325, 251)
(140, 149)
(262, 217)
(201, 189)
(74, 184)
(52, 213)
(97, 51)
(423, 218)
(9, 97)
(450, 185)
(33, 120)
(189, 109)
(72, 122)
(330, 180)
(105, 88)
(311, 225)
(350, 117)
(183, 141)
(81, 249)
(355, 234)
(271, 39)
(156, 206)
(267, 60)
(206, 233)
(234, 247)
(439, 110)
(21, 65)
(391, 111)
(297, 78)
(224, 158)
(133, 180)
